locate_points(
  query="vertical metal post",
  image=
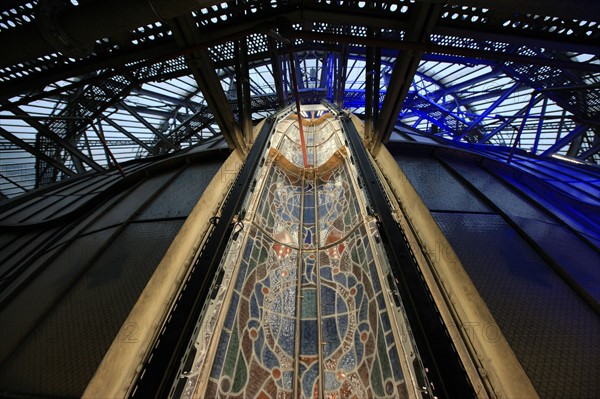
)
(107, 150)
(323, 78)
(297, 71)
(238, 80)
(277, 75)
(340, 76)
(562, 123)
(297, 95)
(369, 88)
(420, 27)
(518, 138)
(330, 75)
(538, 133)
(243, 88)
(285, 78)
(376, 79)
(575, 146)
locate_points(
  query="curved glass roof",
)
(485, 90)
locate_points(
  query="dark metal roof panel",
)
(68, 284)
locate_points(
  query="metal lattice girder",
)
(89, 104)
(144, 122)
(422, 23)
(75, 27)
(145, 110)
(201, 119)
(475, 123)
(486, 137)
(58, 142)
(594, 149)
(490, 95)
(201, 65)
(277, 74)
(581, 101)
(34, 151)
(242, 78)
(219, 25)
(545, 23)
(131, 136)
(210, 21)
(341, 71)
(436, 113)
(182, 102)
(265, 102)
(470, 51)
(457, 87)
(73, 119)
(96, 98)
(117, 36)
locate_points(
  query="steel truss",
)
(348, 57)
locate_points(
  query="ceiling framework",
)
(158, 76)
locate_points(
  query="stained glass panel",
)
(256, 351)
(306, 315)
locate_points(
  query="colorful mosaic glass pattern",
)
(308, 315)
(278, 212)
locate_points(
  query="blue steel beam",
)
(572, 135)
(447, 114)
(473, 125)
(507, 122)
(435, 121)
(540, 125)
(419, 119)
(520, 132)
(581, 103)
(329, 78)
(451, 91)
